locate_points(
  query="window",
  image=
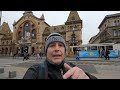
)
(20, 28)
(118, 22)
(114, 23)
(7, 42)
(34, 34)
(75, 26)
(19, 35)
(33, 26)
(54, 28)
(62, 27)
(73, 18)
(115, 33)
(71, 27)
(105, 25)
(27, 30)
(73, 41)
(119, 33)
(27, 27)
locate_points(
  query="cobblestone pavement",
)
(100, 68)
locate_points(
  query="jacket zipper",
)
(61, 72)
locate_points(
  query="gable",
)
(73, 16)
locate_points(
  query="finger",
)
(67, 66)
(83, 76)
(76, 73)
(69, 73)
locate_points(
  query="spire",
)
(73, 16)
(14, 22)
(28, 13)
(42, 17)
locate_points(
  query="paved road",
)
(100, 68)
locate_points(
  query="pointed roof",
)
(5, 28)
(73, 16)
(28, 13)
(42, 17)
(46, 31)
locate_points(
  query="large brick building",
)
(30, 32)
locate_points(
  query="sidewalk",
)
(107, 69)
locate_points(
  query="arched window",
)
(34, 34)
(19, 35)
(27, 30)
(27, 27)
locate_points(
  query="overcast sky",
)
(91, 19)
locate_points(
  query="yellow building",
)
(5, 39)
(30, 32)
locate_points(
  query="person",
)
(38, 56)
(107, 52)
(103, 54)
(25, 54)
(116, 52)
(55, 66)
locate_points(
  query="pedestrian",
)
(103, 53)
(116, 52)
(107, 52)
(38, 56)
(25, 54)
(55, 66)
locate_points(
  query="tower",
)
(73, 29)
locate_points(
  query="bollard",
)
(12, 74)
(1, 70)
